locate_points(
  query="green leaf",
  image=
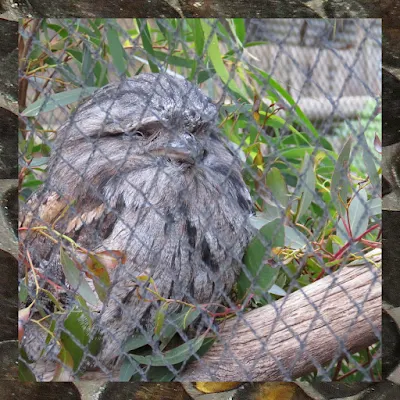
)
(177, 321)
(174, 60)
(76, 279)
(100, 290)
(95, 23)
(129, 369)
(273, 233)
(136, 341)
(166, 32)
(340, 182)
(22, 292)
(87, 66)
(277, 185)
(294, 239)
(306, 186)
(95, 344)
(262, 275)
(116, 50)
(285, 94)
(160, 374)
(375, 206)
(32, 183)
(79, 325)
(57, 100)
(198, 35)
(101, 71)
(77, 329)
(298, 139)
(240, 29)
(217, 61)
(263, 218)
(358, 213)
(147, 44)
(77, 54)
(277, 290)
(207, 344)
(59, 30)
(51, 328)
(174, 356)
(24, 372)
(205, 75)
(64, 69)
(36, 162)
(372, 169)
(66, 360)
(299, 153)
(341, 237)
(101, 279)
(159, 318)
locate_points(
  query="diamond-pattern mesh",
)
(139, 237)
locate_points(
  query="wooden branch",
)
(291, 337)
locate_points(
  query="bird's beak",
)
(184, 148)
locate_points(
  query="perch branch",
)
(291, 337)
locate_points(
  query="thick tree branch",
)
(291, 337)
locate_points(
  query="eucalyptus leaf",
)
(36, 162)
(129, 369)
(174, 356)
(22, 292)
(198, 35)
(76, 279)
(176, 322)
(57, 100)
(285, 94)
(258, 273)
(117, 51)
(275, 182)
(216, 59)
(375, 206)
(25, 374)
(263, 218)
(299, 153)
(87, 66)
(276, 290)
(239, 29)
(159, 318)
(295, 239)
(341, 237)
(160, 374)
(358, 213)
(76, 336)
(136, 341)
(174, 60)
(147, 43)
(78, 324)
(340, 182)
(372, 169)
(306, 186)
(66, 361)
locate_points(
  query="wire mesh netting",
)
(177, 176)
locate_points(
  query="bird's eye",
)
(138, 134)
(135, 134)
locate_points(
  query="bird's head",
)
(151, 128)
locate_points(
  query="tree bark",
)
(294, 335)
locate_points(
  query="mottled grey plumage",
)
(151, 176)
